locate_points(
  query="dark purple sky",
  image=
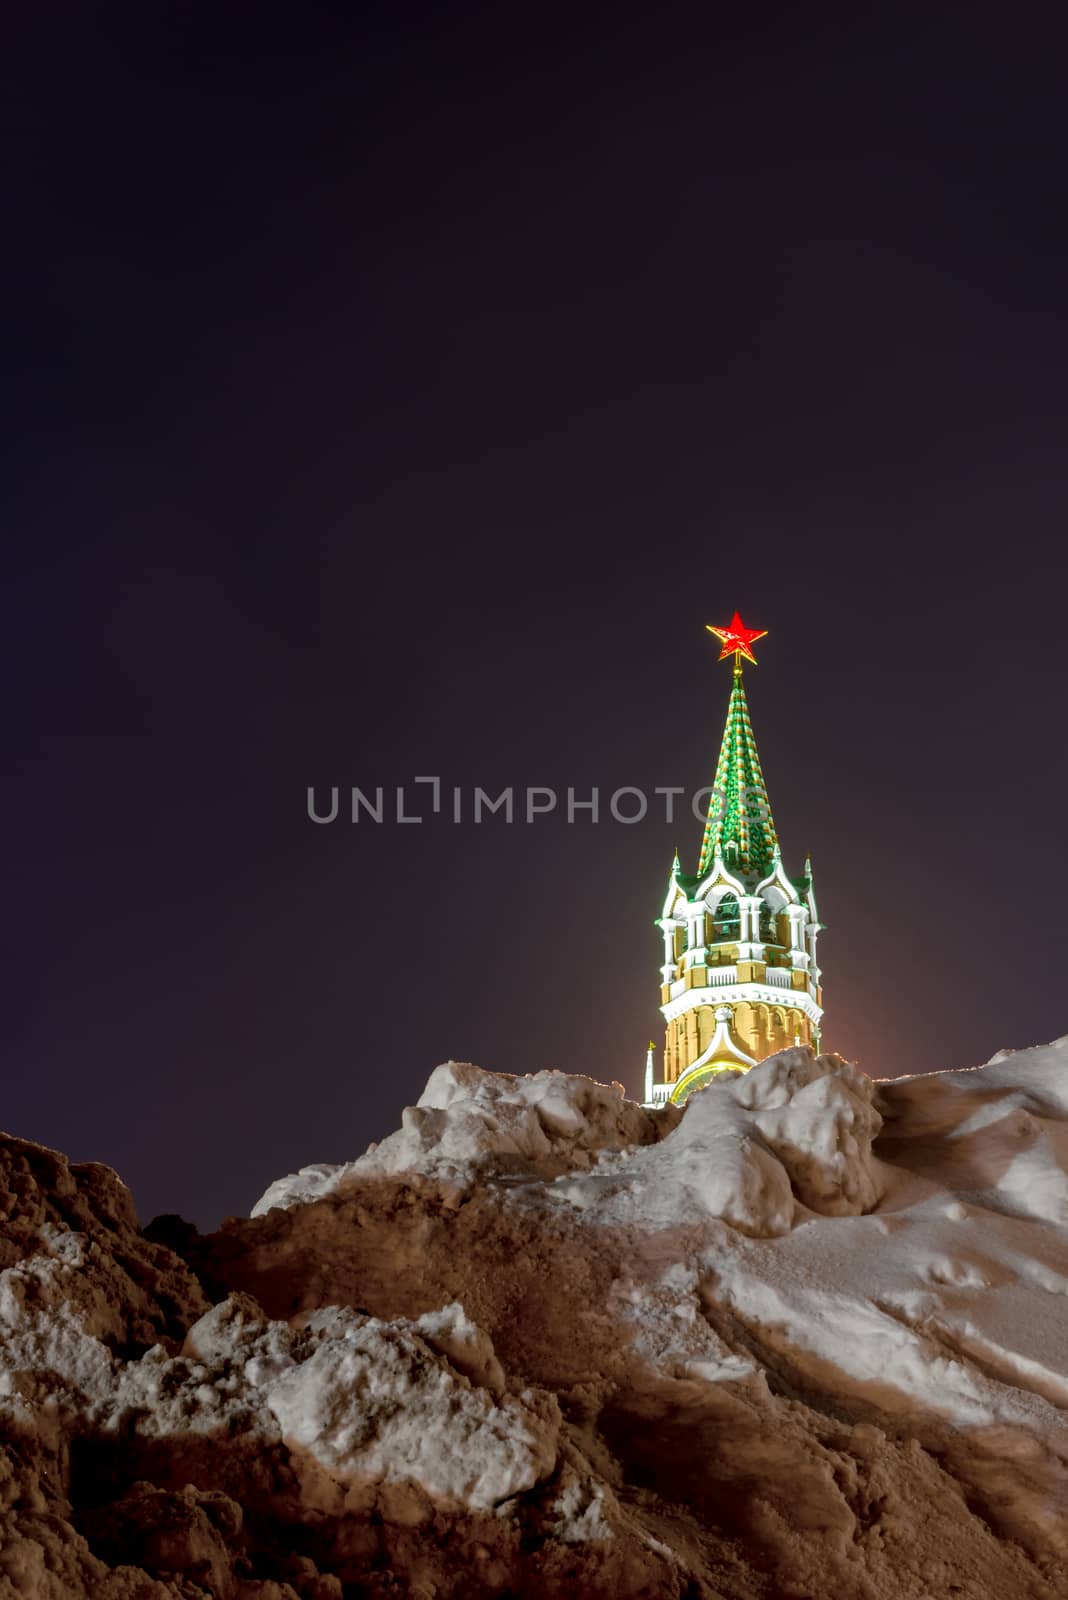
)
(394, 391)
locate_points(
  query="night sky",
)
(397, 392)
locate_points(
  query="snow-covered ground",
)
(808, 1336)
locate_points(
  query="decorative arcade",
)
(740, 978)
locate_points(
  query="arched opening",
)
(743, 1026)
(728, 920)
(704, 1075)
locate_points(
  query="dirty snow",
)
(805, 1337)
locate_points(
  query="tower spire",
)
(739, 826)
(739, 979)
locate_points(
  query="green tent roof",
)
(739, 826)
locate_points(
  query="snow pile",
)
(368, 1401)
(754, 1150)
(796, 1130)
(804, 1337)
(375, 1403)
(997, 1135)
(468, 1121)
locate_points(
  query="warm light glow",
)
(737, 638)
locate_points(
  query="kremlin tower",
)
(739, 979)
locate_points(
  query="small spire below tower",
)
(650, 1071)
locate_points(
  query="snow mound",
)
(468, 1120)
(369, 1401)
(997, 1135)
(804, 1337)
(749, 1149)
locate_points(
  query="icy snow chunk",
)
(237, 1331)
(816, 1113)
(310, 1183)
(953, 1272)
(50, 1317)
(714, 1164)
(465, 1115)
(582, 1511)
(796, 1127)
(380, 1405)
(469, 1348)
(718, 1168)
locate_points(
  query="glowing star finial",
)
(736, 640)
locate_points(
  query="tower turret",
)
(739, 979)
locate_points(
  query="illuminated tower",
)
(739, 979)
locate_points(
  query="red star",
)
(737, 638)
